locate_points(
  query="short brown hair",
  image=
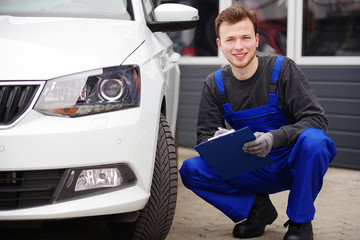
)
(234, 14)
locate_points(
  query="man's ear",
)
(257, 39)
(218, 42)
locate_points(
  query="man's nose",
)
(239, 44)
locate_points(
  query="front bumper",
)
(41, 142)
(122, 201)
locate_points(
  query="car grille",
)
(24, 189)
(15, 100)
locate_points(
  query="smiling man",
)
(272, 97)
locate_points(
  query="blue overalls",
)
(299, 167)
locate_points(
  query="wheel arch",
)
(163, 106)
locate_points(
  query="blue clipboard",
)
(226, 156)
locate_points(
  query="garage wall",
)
(337, 88)
(191, 83)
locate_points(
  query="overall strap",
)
(273, 95)
(223, 97)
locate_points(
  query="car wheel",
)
(155, 219)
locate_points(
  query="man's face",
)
(238, 42)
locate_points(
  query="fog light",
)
(98, 178)
(79, 182)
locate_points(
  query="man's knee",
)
(313, 139)
(188, 170)
(314, 142)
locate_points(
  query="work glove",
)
(261, 146)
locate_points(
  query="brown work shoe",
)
(261, 214)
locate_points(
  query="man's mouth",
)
(241, 55)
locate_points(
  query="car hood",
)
(45, 48)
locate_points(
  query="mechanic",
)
(272, 97)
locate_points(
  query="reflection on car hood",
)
(44, 48)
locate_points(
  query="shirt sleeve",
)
(210, 115)
(299, 103)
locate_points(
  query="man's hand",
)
(261, 146)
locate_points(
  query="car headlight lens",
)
(92, 92)
(112, 89)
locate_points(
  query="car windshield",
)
(113, 9)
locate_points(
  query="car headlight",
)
(92, 92)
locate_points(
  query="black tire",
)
(155, 219)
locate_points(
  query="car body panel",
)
(127, 200)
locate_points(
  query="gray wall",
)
(191, 82)
(337, 88)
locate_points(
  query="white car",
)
(88, 106)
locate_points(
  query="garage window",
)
(331, 28)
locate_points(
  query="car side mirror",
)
(171, 17)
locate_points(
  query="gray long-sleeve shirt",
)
(295, 98)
